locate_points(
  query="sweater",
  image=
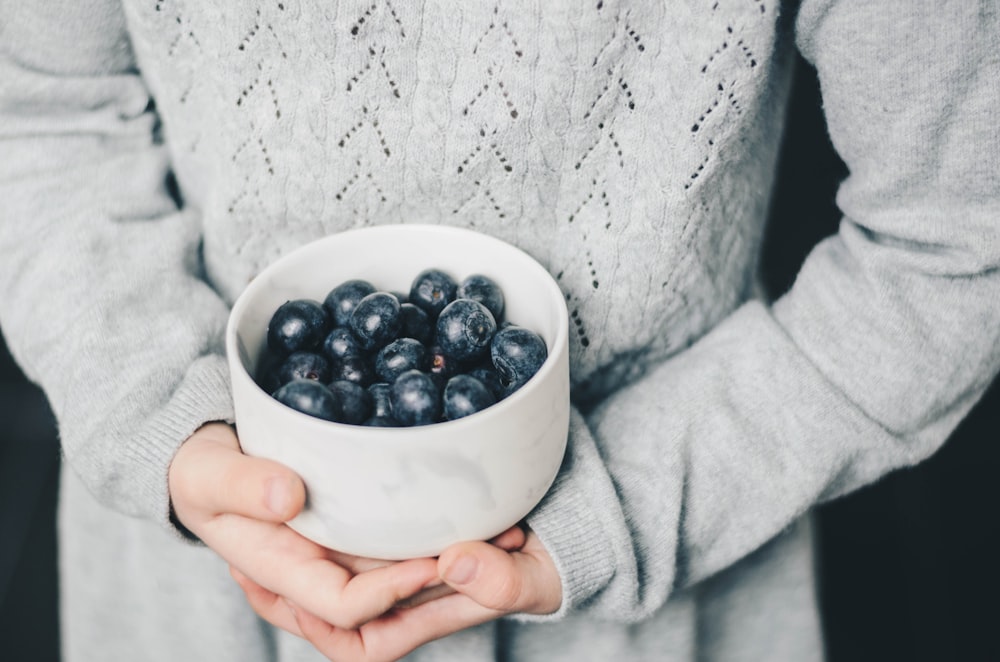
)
(156, 154)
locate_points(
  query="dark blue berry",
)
(341, 300)
(375, 320)
(517, 354)
(415, 399)
(341, 343)
(399, 356)
(381, 422)
(465, 329)
(297, 324)
(415, 323)
(442, 364)
(310, 397)
(432, 290)
(305, 365)
(465, 395)
(267, 372)
(484, 290)
(487, 374)
(381, 393)
(357, 369)
(355, 401)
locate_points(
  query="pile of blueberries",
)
(366, 356)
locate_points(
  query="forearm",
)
(101, 295)
(889, 336)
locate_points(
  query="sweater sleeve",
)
(889, 335)
(101, 296)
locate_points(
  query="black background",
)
(908, 565)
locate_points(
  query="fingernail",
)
(462, 571)
(277, 496)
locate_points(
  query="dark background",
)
(909, 564)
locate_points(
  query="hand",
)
(487, 581)
(238, 506)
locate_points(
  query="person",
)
(158, 154)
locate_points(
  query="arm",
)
(101, 295)
(889, 335)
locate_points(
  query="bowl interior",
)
(390, 257)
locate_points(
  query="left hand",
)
(489, 580)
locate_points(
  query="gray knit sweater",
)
(156, 154)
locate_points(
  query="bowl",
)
(398, 493)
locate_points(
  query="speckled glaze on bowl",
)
(396, 493)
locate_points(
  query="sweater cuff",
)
(568, 525)
(203, 396)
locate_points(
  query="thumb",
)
(520, 581)
(211, 476)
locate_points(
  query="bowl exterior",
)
(408, 492)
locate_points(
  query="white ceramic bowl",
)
(395, 493)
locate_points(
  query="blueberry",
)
(341, 300)
(375, 320)
(267, 372)
(297, 324)
(432, 290)
(415, 399)
(310, 397)
(357, 369)
(465, 329)
(487, 374)
(381, 422)
(381, 393)
(355, 401)
(305, 365)
(517, 353)
(442, 364)
(464, 395)
(415, 323)
(341, 343)
(484, 290)
(399, 356)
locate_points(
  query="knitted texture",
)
(158, 154)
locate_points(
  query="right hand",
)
(238, 505)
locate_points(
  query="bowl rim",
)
(556, 356)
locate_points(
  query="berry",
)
(297, 324)
(381, 393)
(375, 321)
(415, 323)
(465, 395)
(432, 290)
(487, 374)
(517, 353)
(484, 290)
(341, 343)
(464, 330)
(355, 401)
(310, 397)
(415, 399)
(357, 369)
(341, 300)
(399, 356)
(380, 422)
(305, 365)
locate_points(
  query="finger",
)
(524, 581)
(212, 475)
(269, 606)
(281, 561)
(397, 633)
(511, 539)
(426, 595)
